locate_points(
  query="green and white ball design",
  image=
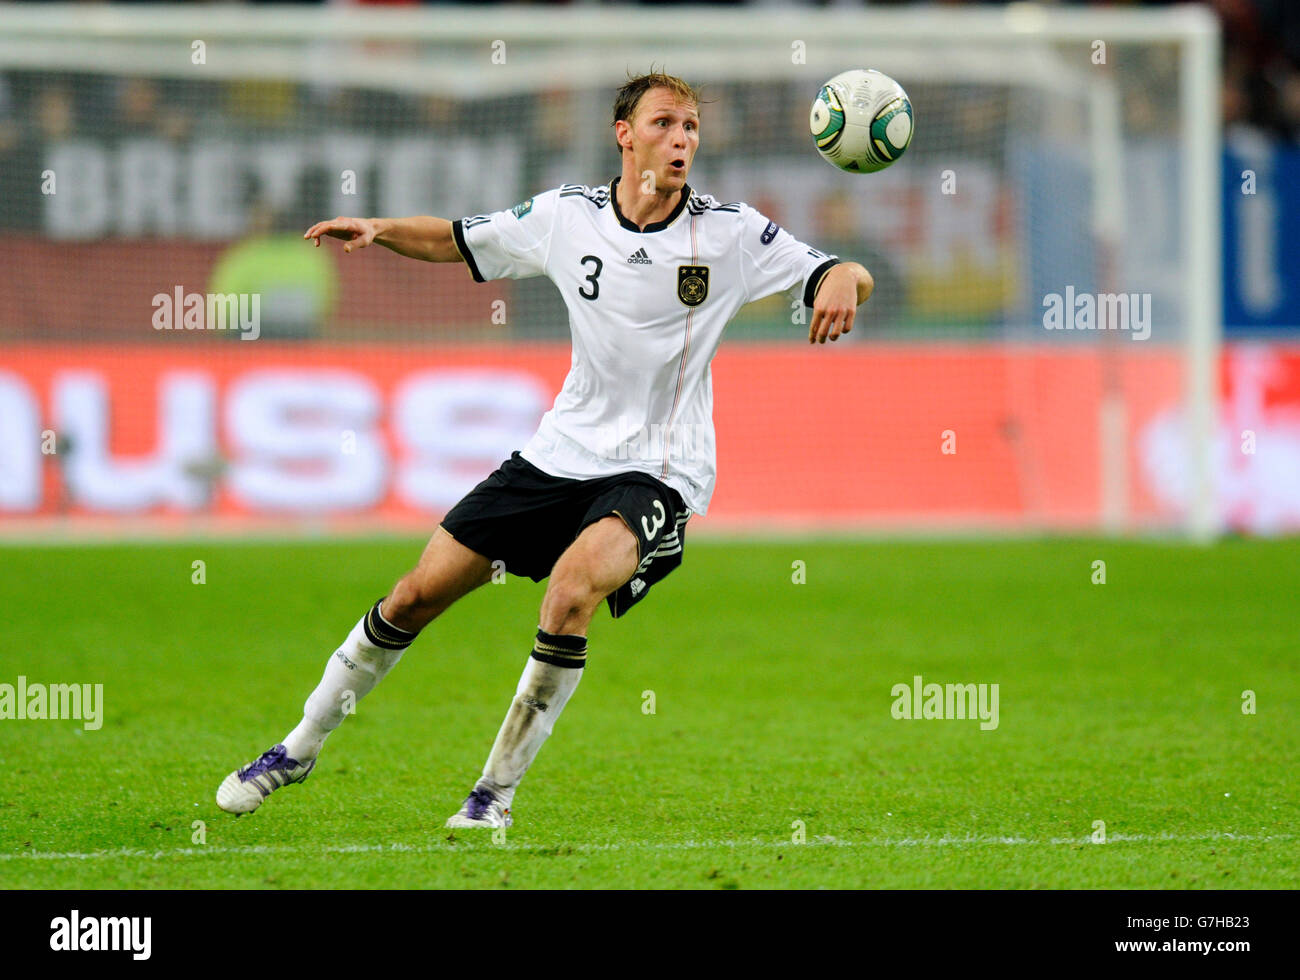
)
(861, 121)
(826, 121)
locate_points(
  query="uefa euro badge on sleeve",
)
(692, 284)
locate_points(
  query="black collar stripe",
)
(654, 225)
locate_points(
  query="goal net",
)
(1040, 352)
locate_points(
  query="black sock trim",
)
(384, 634)
(563, 641)
(576, 663)
(560, 650)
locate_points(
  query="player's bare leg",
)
(446, 571)
(603, 557)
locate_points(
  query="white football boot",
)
(481, 809)
(244, 789)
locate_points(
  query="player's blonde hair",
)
(629, 96)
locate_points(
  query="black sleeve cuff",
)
(815, 280)
(458, 232)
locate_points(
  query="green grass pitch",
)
(1119, 702)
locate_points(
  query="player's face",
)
(665, 135)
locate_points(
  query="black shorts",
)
(526, 519)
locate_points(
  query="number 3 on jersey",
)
(592, 277)
(652, 530)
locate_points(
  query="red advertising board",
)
(923, 436)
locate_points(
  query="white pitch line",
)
(450, 848)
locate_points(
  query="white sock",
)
(544, 689)
(352, 672)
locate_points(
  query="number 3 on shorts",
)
(659, 522)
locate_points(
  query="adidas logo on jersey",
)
(639, 258)
(638, 586)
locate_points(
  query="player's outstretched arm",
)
(426, 238)
(839, 294)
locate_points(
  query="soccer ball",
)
(861, 121)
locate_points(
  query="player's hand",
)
(844, 287)
(834, 306)
(356, 232)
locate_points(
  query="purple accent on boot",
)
(272, 759)
(478, 802)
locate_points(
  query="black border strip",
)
(654, 225)
(815, 280)
(458, 232)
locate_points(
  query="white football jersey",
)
(647, 309)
